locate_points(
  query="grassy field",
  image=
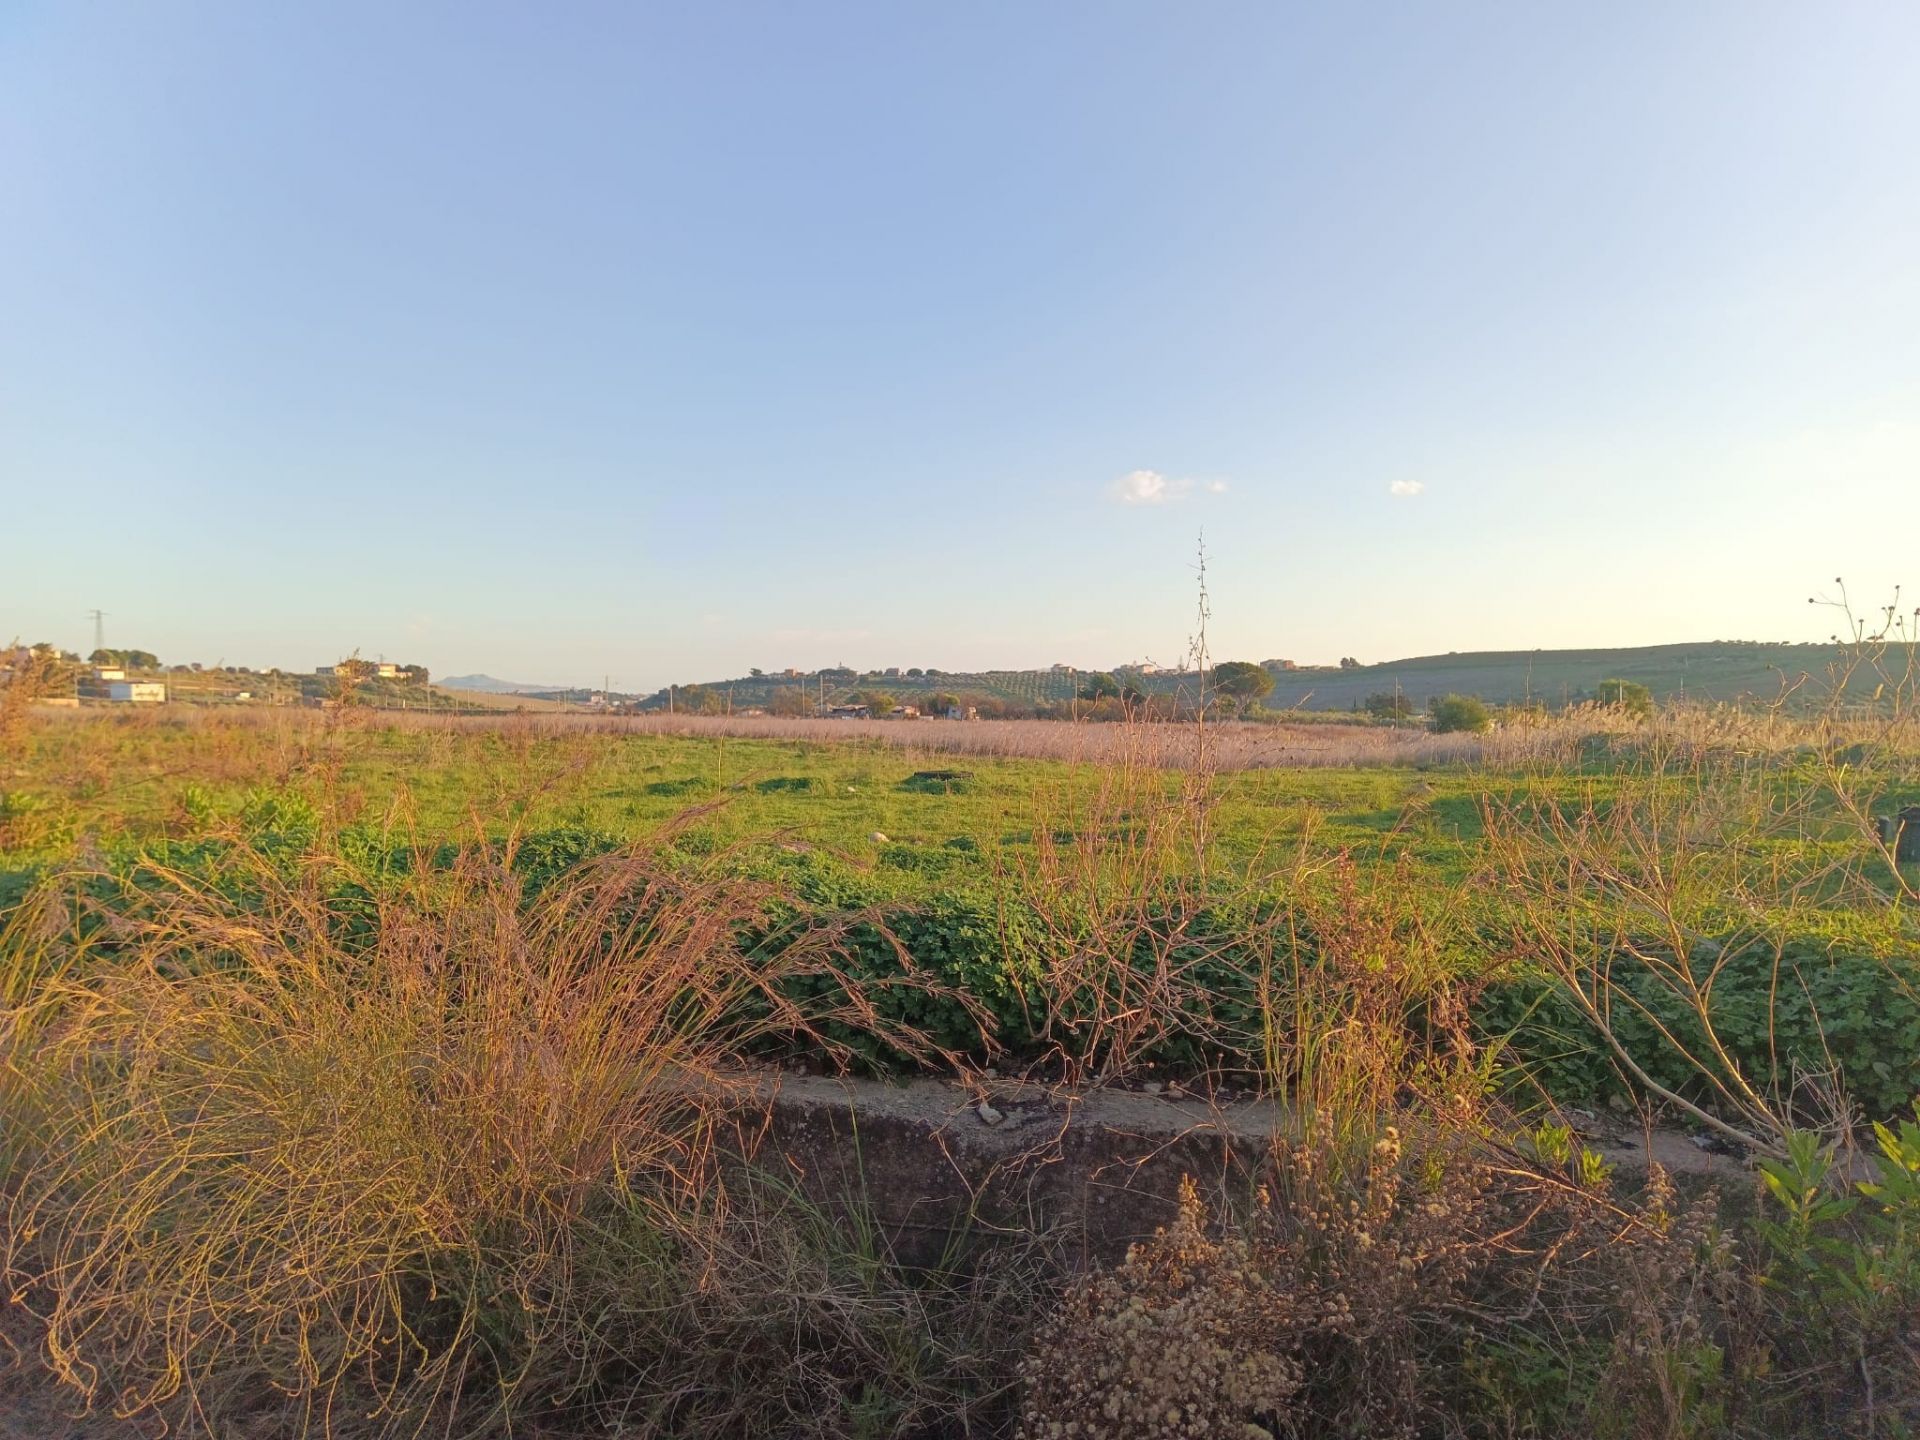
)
(889, 816)
(366, 1073)
(131, 779)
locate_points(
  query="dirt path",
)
(1028, 1112)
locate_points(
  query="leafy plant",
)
(1455, 714)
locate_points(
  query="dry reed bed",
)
(1217, 747)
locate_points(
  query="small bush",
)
(786, 785)
(938, 782)
(1460, 714)
(279, 812)
(669, 789)
(1844, 1269)
(1382, 1289)
(1628, 695)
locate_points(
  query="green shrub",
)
(1783, 1018)
(266, 811)
(670, 788)
(1843, 1262)
(198, 805)
(938, 782)
(544, 856)
(786, 785)
(1455, 713)
(1628, 695)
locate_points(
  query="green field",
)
(359, 1023)
(833, 794)
(996, 872)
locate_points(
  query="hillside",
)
(1705, 671)
(488, 685)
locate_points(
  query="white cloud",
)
(1150, 487)
(1406, 487)
(1142, 487)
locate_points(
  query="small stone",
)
(988, 1115)
(1153, 1087)
(879, 837)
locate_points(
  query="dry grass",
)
(1386, 1287)
(441, 1153)
(1228, 746)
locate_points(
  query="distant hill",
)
(1706, 671)
(487, 685)
(501, 701)
(1717, 670)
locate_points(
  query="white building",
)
(137, 692)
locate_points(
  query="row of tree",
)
(1236, 682)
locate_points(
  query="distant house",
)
(849, 712)
(361, 670)
(109, 672)
(137, 692)
(907, 712)
(962, 712)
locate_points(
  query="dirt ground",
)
(926, 1152)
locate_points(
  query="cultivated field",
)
(365, 1073)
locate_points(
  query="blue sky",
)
(661, 341)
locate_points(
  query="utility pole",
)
(99, 628)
